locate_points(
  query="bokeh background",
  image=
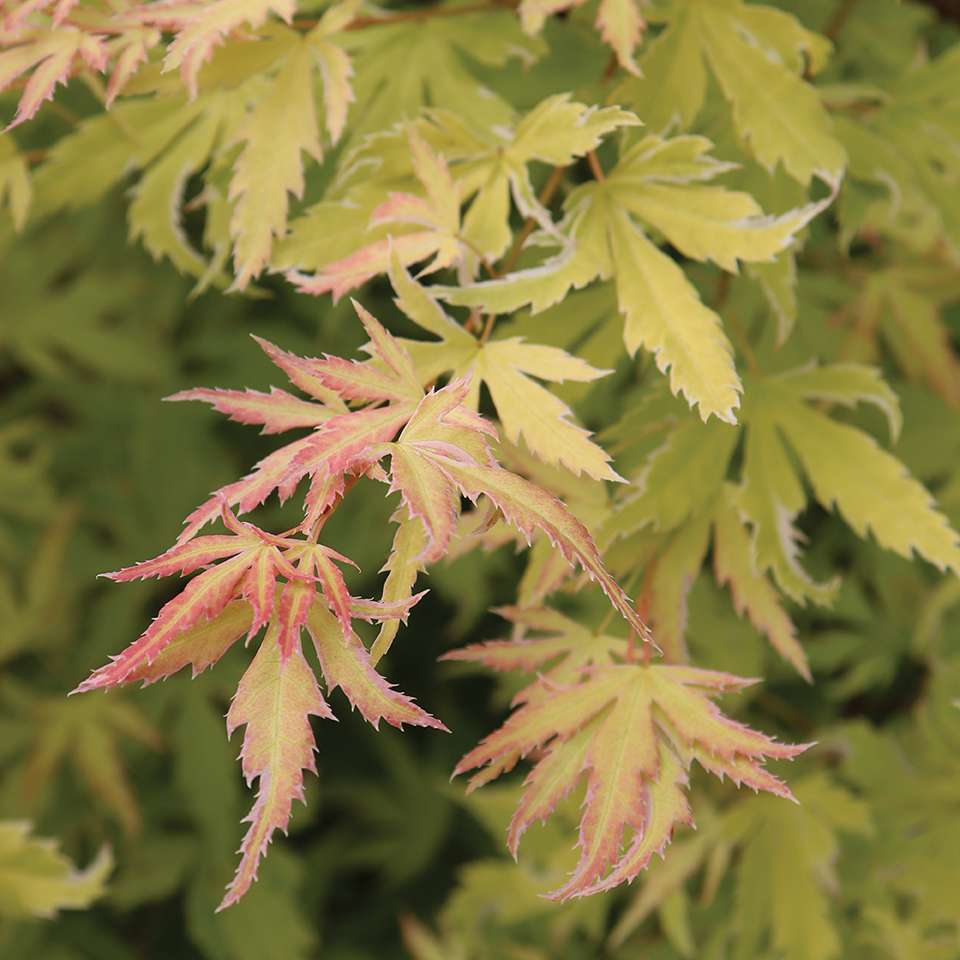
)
(96, 472)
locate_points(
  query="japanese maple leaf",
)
(443, 453)
(250, 560)
(200, 27)
(247, 579)
(52, 57)
(276, 697)
(508, 367)
(342, 437)
(421, 228)
(631, 730)
(658, 182)
(619, 22)
(560, 655)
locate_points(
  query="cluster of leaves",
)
(723, 234)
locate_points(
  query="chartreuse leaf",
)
(15, 188)
(619, 22)
(422, 944)
(36, 880)
(34, 610)
(507, 367)
(155, 211)
(480, 168)
(657, 182)
(836, 458)
(555, 131)
(683, 492)
(200, 27)
(753, 594)
(419, 227)
(85, 736)
(786, 869)
(281, 126)
(633, 732)
(758, 56)
(403, 67)
(902, 306)
(402, 566)
(907, 146)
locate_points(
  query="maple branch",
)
(545, 196)
(492, 271)
(488, 327)
(595, 167)
(831, 29)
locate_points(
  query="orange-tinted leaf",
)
(275, 700)
(346, 664)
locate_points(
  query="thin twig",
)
(492, 271)
(488, 327)
(546, 195)
(595, 167)
(831, 29)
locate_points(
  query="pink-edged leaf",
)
(278, 411)
(697, 720)
(527, 654)
(259, 589)
(504, 655)
(546, 785)
(746, 772)
(274, 472)
(379, 611)
(52, 57)
(665, 807)
(19, 12)
(632, 730)
(300, 372)
(334, 587)
(535, 724)
(346, 664)
(324, 491)
(386, 348)
(275, 700)
(203, 597)
(622, 758)
(404, 208)
(133, 55)
(199, 647)
(346, 440)
(295, 601)
(441, 425)
(428, 495)
(202, 26)
(186, 557)
(357, 380)
(530, 508)
(354, 270)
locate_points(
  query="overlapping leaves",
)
(248, 580)
(631, 730)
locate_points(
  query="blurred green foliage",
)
(388, 859)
